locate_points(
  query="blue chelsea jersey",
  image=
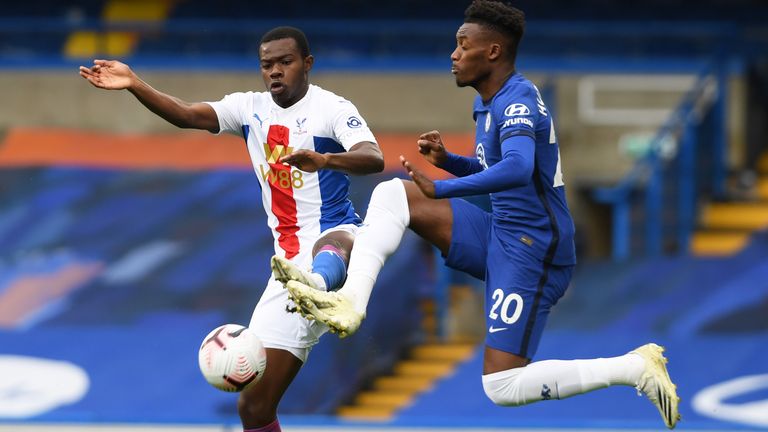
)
(535, 216)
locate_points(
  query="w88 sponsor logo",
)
(283, 178)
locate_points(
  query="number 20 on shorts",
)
(506, 304)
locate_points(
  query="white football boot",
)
(656, 384)
(329, 308)
(285, 271)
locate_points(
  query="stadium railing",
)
(686, 162)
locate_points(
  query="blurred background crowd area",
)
(115, 225)
(612, 73)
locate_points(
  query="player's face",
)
(285, 72)
(469, 61)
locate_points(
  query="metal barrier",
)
(651, 177)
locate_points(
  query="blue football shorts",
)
(520, 289)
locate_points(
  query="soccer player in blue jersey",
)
(523, 248)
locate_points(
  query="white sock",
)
(385, 222)
(559, 379)
(319, 281)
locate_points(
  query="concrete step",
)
(402, 383)
(393, 400)
(450, 352)
(762, 164)
(389, 394)
(714, 243)
(367, 413)
(735, 216)
(433, 369)
(426, 364)
(762, 188)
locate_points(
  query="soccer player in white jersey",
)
(303, 142)
(523, 248)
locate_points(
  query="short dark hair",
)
(286, 32)
(500, 17)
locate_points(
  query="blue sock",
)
(331, 267)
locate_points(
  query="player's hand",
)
(431, 146)
(306, 160)
(426, 185)
(108, 74)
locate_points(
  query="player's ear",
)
(309, 61)
(494, 51)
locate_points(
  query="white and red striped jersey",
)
(299, 205)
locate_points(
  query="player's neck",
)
(287, 103)
(494, 82)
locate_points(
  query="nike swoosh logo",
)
(493, 329)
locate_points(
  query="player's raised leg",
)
(330, 308)
(520, 291)
(284, 270)
(642, 368)
(329, 265)
(530, 287)
(394, 206)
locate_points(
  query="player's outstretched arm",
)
(114, 75)
(515, 169)
(432, 147)
(362, 158)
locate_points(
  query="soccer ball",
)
(232, 358)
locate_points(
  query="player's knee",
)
(498, 397)
(502, 388)
(389, 197)
(414, 196)
(339, 242)
(384, 191)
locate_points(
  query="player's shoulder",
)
(322, 95)
(516, 89)
(517, 97)
(262, 98)
(249, 98)
(478, 104)
(328, 103)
